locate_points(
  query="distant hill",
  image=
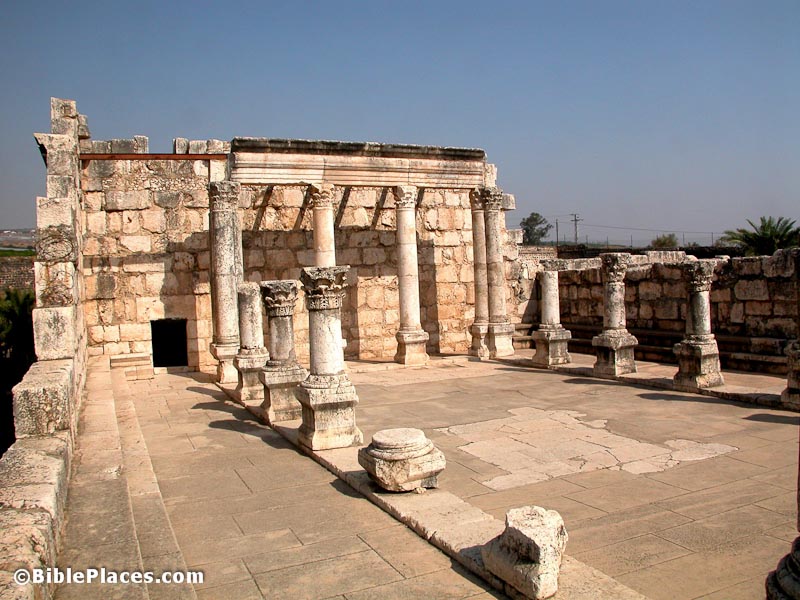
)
(17, 238)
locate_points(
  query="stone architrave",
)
(411, 339)
(551, 338)
(697, 353)
(791, 395)
(282, 374)
(500, 332)
(327, 395)
(480, 327)
(322, 199)
(527, 555)
(614, 346)
(226, 274)
(252, 355)
(402, 460)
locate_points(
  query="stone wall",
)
(16, 272)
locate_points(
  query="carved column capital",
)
(699, 274)
(224, 195)
(492, 198)
(324, 286)
(476, 198)
(279, 297)
(322, 195)
(614, 266)
(552, 264)
(405, 196)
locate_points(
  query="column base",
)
(479, 347)
(248, 365)
(784, 582)
(614, 350)
(412, 347)
(698, 364)
(225, 354)
(329, 416)
(499, 339)
(551, 346)
(280, 392)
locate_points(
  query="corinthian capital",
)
(279, 297)
(699, 274)
(224, 195)
(324, 286)
(492, 198)
(405, 196)
(322, 195)
(476, 198)
(615, 264)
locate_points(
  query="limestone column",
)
(697, 353)
(411, 339)
(480, 326)
(282, 374)
(614, 346)
(551, 338)
(226, 275)
(327, 395)
(322, 198)
(500, 331)
(252, 355)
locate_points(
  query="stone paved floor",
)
(210, 489)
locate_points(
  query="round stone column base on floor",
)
(402, 460)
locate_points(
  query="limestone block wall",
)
(16, 272)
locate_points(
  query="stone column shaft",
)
(697, 353)
(500, 334)
(282, 374)
(615, 345)
(252, 355)
(480, 326)
(327, 395)
(226, 275)
(411, 339)
(551, 338)
(322, 217)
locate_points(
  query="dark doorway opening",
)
(169, 343)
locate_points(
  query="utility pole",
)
(575, 220)
(556, 233)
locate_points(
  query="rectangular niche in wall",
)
(169, 343)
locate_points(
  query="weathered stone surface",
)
(527, 555)
(790, 397)
(43, 402)
(402, 460)
(54, 332)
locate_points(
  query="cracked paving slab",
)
(535, 445)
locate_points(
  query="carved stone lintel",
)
(405, 196)
(699, 274)
(614, 266)
(224, 195)
(552, 264)
(279, 297)
(324, 286)
(322, 195)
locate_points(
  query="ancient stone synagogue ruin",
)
(267, 263)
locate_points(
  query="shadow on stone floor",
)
(782, 419)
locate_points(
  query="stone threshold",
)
(446, 521)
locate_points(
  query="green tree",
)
(769, 235)
(16, 353)
(534, 229)
(667, 240)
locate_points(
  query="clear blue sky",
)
(666, 115)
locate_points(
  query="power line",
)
(651, 230)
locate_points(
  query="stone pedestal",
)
(411, 339)
(615, 345)
(551, 338)
(784, 582)
(527, 555)
(402, 460)
(252, 355)
(697, 353)
(226, 275)
(282, 374)
(327, 395)
(322, 198)
(791, 395)
(501, 332)
(480, 327)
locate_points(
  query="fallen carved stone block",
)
(402, 460)
(527, 555)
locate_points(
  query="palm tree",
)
(769, 235)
